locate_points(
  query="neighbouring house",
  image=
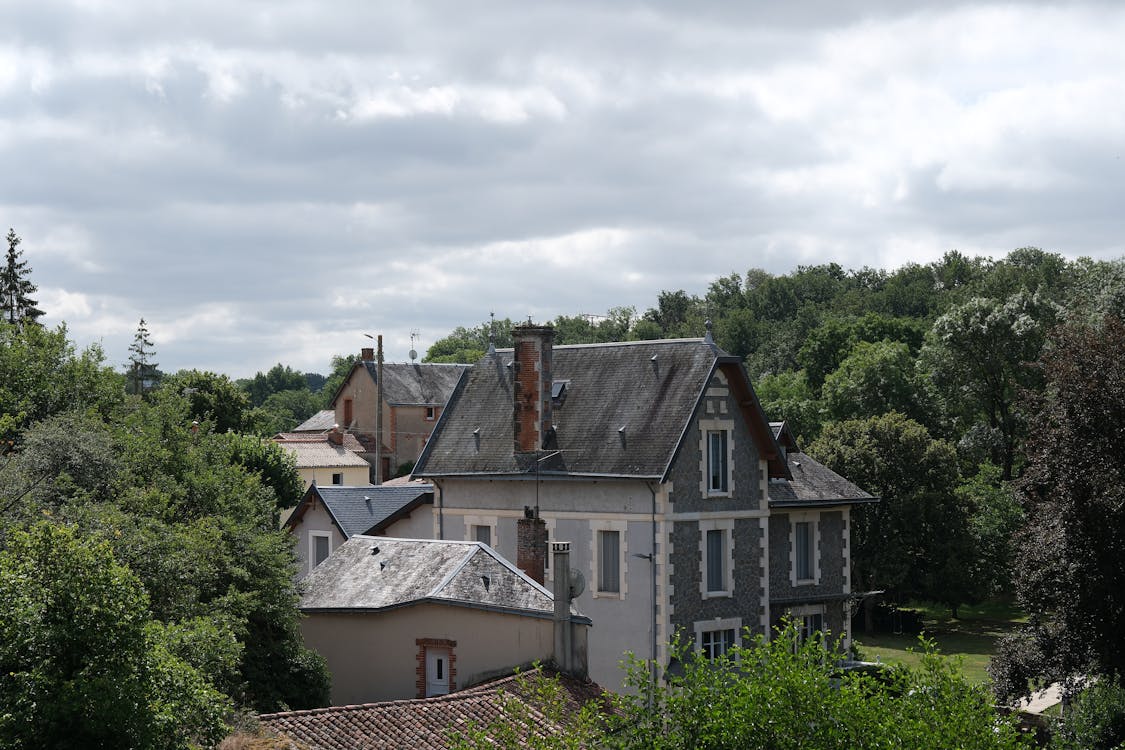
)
(412, 397)
(323, 421)
(412, 618)
(330, 458)
(327, 517)
(425, 724)
(656, 461)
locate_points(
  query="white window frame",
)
(812, 518)
(726, 526)
(706, 428)
(430, 414)
(622, 528)
(313, 536)
(717, 625)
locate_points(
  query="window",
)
(803, 541)
(430, 413)
(716, 560)
(804, 549)
(811, 624)
(348, 412)
(483, 534)
(609, 567)
(717, 466)
(716, 552)
(320, 547)
(715, 643)
(338, 477)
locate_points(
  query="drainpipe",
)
(652, 559)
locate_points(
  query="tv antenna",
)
(413, 352)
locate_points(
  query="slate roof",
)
(814, 484)
(322, 421)
(649, 388)
(425, 723)
(364, 510)
(373, 573)
(321, 454)
(411, 384)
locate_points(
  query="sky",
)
(267, 181)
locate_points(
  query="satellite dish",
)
(577, 583)
(413, 355)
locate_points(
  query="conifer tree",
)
(15, 288)
(141, 367)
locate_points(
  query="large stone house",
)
(412, 398)
(685, 512)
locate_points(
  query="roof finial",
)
(491, 332)
(708, 338)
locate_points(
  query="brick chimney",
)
(367, 353)
(531, 546)
(335, 436)
(531, 392)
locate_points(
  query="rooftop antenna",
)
(491, 332)
(413, 351)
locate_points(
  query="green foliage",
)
(142, 370)
(272, 464)
(1070, 560)
(17, 308)
(467, 345)
(279, 378)
(915, 542)
(213, 398)
(981, 354)
(341, 365)
(874, 379)
(787, 397)
(282, 411)
(41, 374)
(835, 339)
(994, 519)
(1094, 721)
(80, 665)
(777, 694)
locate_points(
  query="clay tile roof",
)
(322, 453)
(428, 723)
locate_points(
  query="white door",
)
(437, 671)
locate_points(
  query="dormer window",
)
(558, 392)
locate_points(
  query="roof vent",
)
(476, 437)
(374, 550)
(486, 581)
(652, 359)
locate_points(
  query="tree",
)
(915, 542)
(876, 378)
(1070, 560)
(80, 664)
(16, 288)
(279, 378)
(213, 398)
(142, 370)
(787, 397)
(981, 354)
(792, 695)
(994, 518)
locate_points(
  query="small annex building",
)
(412, 618)
(327, 517)
(324, 458)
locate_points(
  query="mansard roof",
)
(620, 410)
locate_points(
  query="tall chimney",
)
(367, 354)
(531, 546)
(531, 391)
(570, 637)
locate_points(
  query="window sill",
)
(608, 595)
(718, 594)
(805, 582)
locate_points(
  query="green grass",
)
(971, 638)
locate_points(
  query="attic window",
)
(558, 392)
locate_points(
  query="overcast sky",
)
(266, 181)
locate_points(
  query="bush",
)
(1095, 721)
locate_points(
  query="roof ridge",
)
(605, 344)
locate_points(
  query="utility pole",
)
(379, 411)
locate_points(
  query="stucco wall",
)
(316, 518)
(354, 476)
(373, 657)
(418, 525)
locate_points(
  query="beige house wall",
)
(418, 525)
(315, 519)
(354, 476)
(374, 656)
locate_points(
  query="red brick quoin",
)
(420, 670)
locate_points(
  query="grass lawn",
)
(972, 637)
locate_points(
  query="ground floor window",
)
(715, 638)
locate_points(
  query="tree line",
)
(984, 402)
